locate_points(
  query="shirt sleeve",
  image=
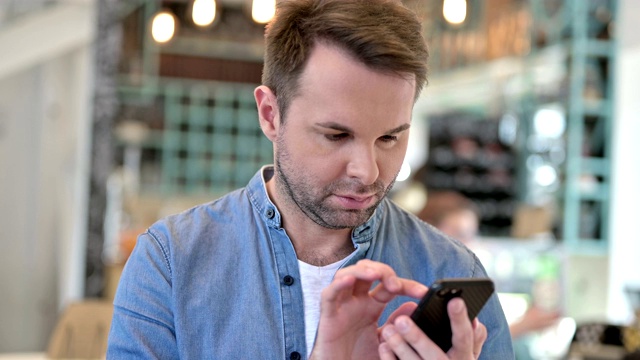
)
(498, 344)
(142, 325)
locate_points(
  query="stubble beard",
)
(311, 203)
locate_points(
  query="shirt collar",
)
(257, 190)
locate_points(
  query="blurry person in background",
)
(457, 216)
(453, 214)
(310, 259)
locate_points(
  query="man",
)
(453, 214)
(310, 259)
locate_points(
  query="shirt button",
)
(270, 213)
(288, 280)
(295, 356)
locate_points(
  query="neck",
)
(314, 244)
(320, 250)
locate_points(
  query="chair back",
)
(82, 331)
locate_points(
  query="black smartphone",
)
(431, 314)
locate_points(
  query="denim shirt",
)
(221, 280)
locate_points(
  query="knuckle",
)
(395, 341)
(412, 336)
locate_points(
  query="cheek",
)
(388, 172)
(325, 169)
(314, 163)
(390, 162)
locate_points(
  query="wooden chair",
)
(82, 331)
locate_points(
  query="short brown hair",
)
(382, 34)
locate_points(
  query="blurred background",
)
(114, 113)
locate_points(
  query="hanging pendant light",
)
(163, 26)
(454, 11)
(203, 12)
(262, 11)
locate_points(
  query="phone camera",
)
(449, 293)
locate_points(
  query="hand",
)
(403, 339)
(350, 309)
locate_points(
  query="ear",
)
(268, 111)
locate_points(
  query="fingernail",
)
(388, 332)
(403, 325)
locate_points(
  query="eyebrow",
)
(335, 126)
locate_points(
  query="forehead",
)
(335, 81)
(325, 55)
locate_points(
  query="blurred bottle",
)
(547, 289)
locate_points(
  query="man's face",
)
(343, 140)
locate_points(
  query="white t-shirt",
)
(314, 279)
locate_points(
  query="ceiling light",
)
(163, 26)
(454, 11)
(203, 12)
(262, 11)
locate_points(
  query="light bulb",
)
(454, 11)
(262, 11)
(163, 26)
(203, 12)
(545, 175)
(549, 122)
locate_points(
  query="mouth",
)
(355, 202)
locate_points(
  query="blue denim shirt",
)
(221, 280)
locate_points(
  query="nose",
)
(362, 165)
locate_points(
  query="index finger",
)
(371, 271)
(407, 287)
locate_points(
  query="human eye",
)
(389, 138)
(336, 137)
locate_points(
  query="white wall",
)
(625, 187)
(45, 92)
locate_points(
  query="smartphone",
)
(431, 314)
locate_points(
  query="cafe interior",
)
(116, 113)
